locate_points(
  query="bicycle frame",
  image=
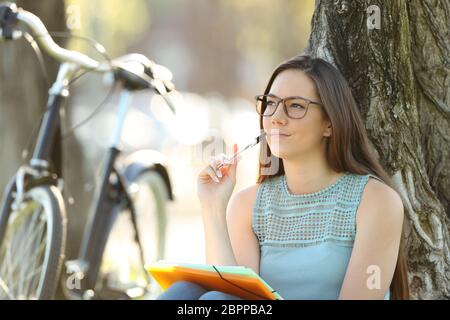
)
(44, 152)
(111, 195)
(47, 161)
(45, 166)
(110, 198)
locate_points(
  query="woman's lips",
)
(279, 135)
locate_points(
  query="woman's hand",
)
(215, 186)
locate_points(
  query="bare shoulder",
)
(246, 196)
(243, 200)
(380, 203)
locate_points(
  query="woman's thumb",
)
(231, 169)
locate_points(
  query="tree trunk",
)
(24, 93)
(399, 72)
(23, 89)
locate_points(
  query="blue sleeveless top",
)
(306, 240)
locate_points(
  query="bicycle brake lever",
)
(160, 88)
(8, 20)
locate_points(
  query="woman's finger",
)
(229, 165)
(214, 163)
(212, 173)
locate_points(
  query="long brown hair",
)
(348, 149)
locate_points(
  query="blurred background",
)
(221, 54)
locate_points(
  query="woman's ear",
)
(328, 129)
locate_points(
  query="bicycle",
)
(32, 211)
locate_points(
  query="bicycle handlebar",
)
(12, 14)
(46, 42)
(160, 77)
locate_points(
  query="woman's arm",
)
(214, 189)
(244, 242)
(379, 224)
(229, 237)
(217, 241)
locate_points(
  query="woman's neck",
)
(309, 175)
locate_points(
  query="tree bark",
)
(400, 77)
(23, 89)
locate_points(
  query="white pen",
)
(254, 143)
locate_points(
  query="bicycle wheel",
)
(121, 268)
(32, 244)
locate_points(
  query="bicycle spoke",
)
(8, 268)
(32, 231)
(28, 243)
(5, 289)
(34, 259)
(30, 226)
(33, 255)
(38, 259)
(32, 283)
(38, 233)
(24, 245)
(14, 260)
(17, 237)
(23, 256)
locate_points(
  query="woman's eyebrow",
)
(295, 96)
(276, 96)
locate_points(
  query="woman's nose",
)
(279, 116)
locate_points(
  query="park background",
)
(221, 54)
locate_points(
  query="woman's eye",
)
(296, 106)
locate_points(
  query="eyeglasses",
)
(294, 107)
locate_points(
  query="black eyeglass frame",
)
(308, 102)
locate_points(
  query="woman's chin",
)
(282, 154)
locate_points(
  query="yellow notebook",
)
(236, 280)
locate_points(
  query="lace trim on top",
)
(282, 219)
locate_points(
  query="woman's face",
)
(291, 138)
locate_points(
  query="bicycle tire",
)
(157, 185)
(12, 222)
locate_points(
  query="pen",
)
(254, 143)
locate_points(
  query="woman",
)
(324, 220)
